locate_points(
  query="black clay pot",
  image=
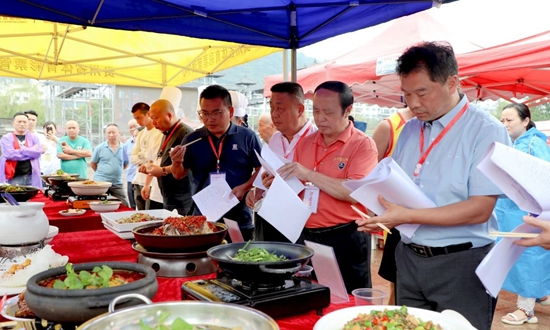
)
(77, 306)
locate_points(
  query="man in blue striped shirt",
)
(440, 150)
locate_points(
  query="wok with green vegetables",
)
(260, 262)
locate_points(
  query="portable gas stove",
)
(81, 202)
(295, 296)
(175, 264)
(57, 193)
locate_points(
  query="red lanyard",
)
(176, 125)
(218, 153)
(437, 139)
(300, 139)
(335, 147)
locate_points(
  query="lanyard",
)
(285, 154)
(218, 153)
(437, 139)
(176, 125)
(335, 147)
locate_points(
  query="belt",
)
(326, 231)
(427, 251)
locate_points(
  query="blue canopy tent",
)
(276, 23)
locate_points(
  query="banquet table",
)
(102, 245)
(88, 221)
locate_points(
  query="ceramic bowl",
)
(105, 206)
(97, 188)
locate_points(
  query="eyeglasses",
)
(214, 114)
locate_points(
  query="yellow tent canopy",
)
(54, 51)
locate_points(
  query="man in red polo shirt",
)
(335, 153)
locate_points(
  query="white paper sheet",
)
(494, 268)
(522, 177)
(234, 230)
(271, 162)
(284, 210)
(327, 271)
(215, 200)
(389, 180)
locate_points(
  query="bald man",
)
(266, 128)
(73, 149)
(133, 127)
(176, 194)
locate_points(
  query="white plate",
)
(337, 319)
(52, 232)
(10, 307)
(109, 219)
(121, 234)
(11, 290)
(67, 214)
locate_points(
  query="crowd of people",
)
(438, 140)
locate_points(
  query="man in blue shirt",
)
(134, 129)
(109, 160)
(226, 149)
(440, 150)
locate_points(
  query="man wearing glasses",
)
(226, 151)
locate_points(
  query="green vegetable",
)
(178, 324)
(257, 255)
(99, 278)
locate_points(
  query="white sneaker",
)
(545, 301)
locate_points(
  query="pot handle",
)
(264, 269)
(24, 214)
(113, 303)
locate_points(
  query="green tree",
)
(10, 97)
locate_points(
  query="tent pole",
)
(294, 65)
(285, 64)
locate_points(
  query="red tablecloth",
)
(89, 221)
(102, 245)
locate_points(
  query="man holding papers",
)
(225, 151)
(289, 117)
(323, 160)
(440, 150)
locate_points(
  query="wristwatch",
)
(164, 173)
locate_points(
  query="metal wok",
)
(261, 273)
(177, 243)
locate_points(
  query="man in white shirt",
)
(145, 149)
(289, 117)
(33, 119)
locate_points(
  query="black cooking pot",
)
(77, 306)
(260, 273)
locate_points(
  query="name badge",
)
(216, 176)
(311, 197)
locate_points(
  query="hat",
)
(239, 102)
(172, 94)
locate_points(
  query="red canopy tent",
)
(365, 69)
(513, 70)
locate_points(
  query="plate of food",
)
(72, 212)
(15, 272)
(128, 220)
(392, 317)
(11, 310)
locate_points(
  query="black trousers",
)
(352, 251)
(388, 270)
(446, 281)
(130, 192)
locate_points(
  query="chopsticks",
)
(510, 234)
(9, 199)
(364, 215)
(190, 143)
